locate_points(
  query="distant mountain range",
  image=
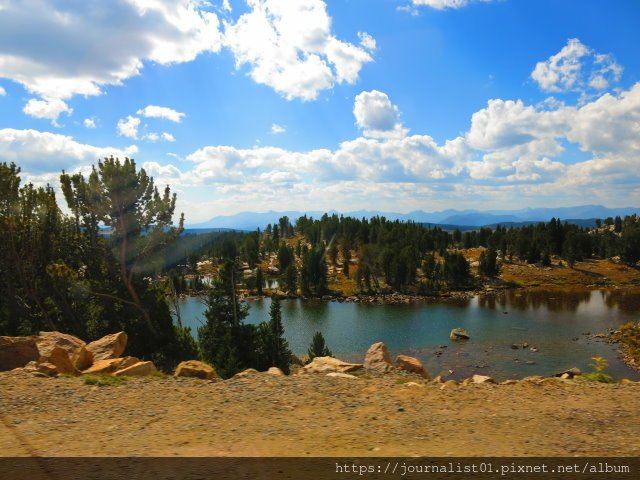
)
(450, 218)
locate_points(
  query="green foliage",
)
(598, 374)
(629, 335)
(489, 266)
(318, 347)
(313, 274)
(274, 347)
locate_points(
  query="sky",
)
(392, 105)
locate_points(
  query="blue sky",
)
(395, 105)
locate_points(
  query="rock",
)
(458, 334)
(109, 346)
(16, 352)
(49, 369)
(329, 364)
(411, 364)
(572, 372)
(509, 382)
(275, 371)
(80, 357)
(59, 357)
(412, 384)
(341, 375)
(438, 379)
(466, 381)
(197, 369)
(626, 381)
(515, 346)
(137, 370)
(377, 358)
(482, 379)
(246, 373)
(110, 365)
(449, 384)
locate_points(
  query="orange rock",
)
(16, 352)
(109, 346)
(411, 364)
(111, 365)
(194, 368)
(482, 379)
(377, 358)
(329, 364)
(59, 357)
(76, 348)
(137, 369)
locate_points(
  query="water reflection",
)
(553, 301)
(627, 302)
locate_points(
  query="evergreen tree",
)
(318, 347)
(275, 347)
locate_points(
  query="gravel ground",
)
(314, 415)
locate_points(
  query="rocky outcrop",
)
(137, 369)
(275, 371)
(329, 364)
(459, 334)
(79, 356)
(412, 365)
(111, 365)
(197, 369)
(109, 346)
(377, 358)
(16, 352)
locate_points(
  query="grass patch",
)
(105, 380)
(598, 374)
(402, 381)
(158, 375)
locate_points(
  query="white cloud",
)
(575, 68)
(289, 47)
(57, 49)
(275, 128)
(128, 127)
(377, 116)
(367, 41)
(41, 152)
(154, 137)
(48, 108)
(442, 4)
(89, 123)
(3, 92)
(155, 111)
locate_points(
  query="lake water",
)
(556, 323)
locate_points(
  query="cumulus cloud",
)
(128, 127)
(48, 108)
(155, 111)
(41, 152)
(289, 47)
(575, 68)
(57, 49)
(443, 4)
(377, 116)
(154, 137)
(89, 123)
(3, 92)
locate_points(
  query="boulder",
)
(246, 373)
(137, 370)
(570, 373)
(111, 365)
(49, 369)
(16, 352)
(449, 384)
(80, 357)
(275, 371)
(411, 364)
(458, 334)
(194, 368)
(377, 358)
(482, 379)
(438, 379)
(509, 382)
(329, 364)
(59, 357)
(109, 346)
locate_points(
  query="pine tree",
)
(277, 351)
(318, 347)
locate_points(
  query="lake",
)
(559, 324)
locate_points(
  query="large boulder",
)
(377, 358)
(139, 369)
(76, 349)
(275, 371)
(194, 368)
(59, 357)
(16, 352)
(411, 364)
(110, 365)
(329, 364)
(109, 346)
(459, 334)
(482, 379)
